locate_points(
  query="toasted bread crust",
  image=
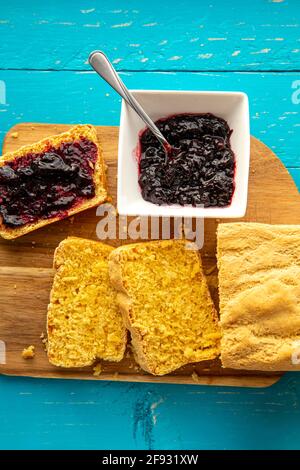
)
(81, 130)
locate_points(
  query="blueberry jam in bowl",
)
(199, 169)
(206, 172)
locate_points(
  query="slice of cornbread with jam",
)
(50, 180)
(166, 305)
(83, 322)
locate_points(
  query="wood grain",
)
(26, 267)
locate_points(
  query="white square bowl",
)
(231, 106)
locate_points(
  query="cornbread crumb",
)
(14, 135)
(29, 352)
(84, 323)
(195, 377)
(259, 285)
(97, 369)
(165, 303)
(44, 341)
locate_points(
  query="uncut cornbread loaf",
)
(166, 305)
(83, 322)
(259, 287)
(80, 136)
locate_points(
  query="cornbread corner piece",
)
(259, 286)
(165, 303)
(98, 168)
(83, 322)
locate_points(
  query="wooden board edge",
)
(274, 157)
(254, 381)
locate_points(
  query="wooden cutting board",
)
(26, 268)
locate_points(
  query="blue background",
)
(192, 45)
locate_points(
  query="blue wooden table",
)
(179, 44)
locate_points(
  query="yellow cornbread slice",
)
(166, 305)
(83, 320)
(259, 286)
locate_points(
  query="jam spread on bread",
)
(45, 185)
(199, 170)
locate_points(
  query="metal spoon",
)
(104, 68)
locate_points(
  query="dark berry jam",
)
(200, 168)
(45, 185)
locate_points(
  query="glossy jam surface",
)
(45, 185)
(200, 168)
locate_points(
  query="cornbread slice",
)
(165, 303)
(43, 165)
(259, 286)
(29, 352)
(83, 320)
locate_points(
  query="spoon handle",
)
(104, 68)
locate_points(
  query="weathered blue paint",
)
(142, 36)
(154, 35)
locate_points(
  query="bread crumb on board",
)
(97, 370)
(29, 352)
(44, 340)
(14, 135)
